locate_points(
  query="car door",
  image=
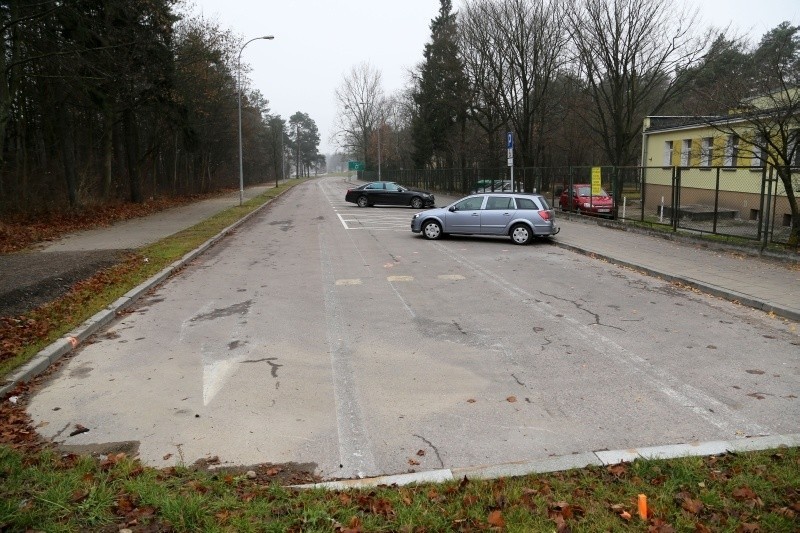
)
(496, 214)
(375, 192)
(464, 216)
(394, 194)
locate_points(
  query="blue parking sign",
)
(510, 140)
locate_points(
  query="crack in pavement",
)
(435, 449)
(268, 360)
(579, 306)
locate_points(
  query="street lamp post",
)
(239, 86)
(379, 151)
(297, 142)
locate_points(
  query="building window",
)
(731, 151)
(794, 148)
(667, 153)
(758, 159)
(686, 151)
(706, 151)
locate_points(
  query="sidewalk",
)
(139, 232)
(767, 284)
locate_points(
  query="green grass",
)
(57, 318)
(46, 491)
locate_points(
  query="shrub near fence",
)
(743, 202)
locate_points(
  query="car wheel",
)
(362, 201)
(416, 202)
(432, 230)
(521, 234)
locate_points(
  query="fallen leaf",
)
(617, 470)
(79, 495)
(692, 506)
(421, 453)
(657, 525)
(561, 508)
(511, 399)
(78, 430)
(496, 519)
(744, 493)
(470, 499)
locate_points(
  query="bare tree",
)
(360, 106)
(513, 51)
(769, 122)
(629, 52)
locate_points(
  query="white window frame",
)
(706, 151)
(668, 148)
(731, 151)
(686, 151)
(758, 153)
(794, 139)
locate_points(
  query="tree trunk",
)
(108, 152)
(67, 144)
(132, 155)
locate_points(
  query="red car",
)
(579, 198)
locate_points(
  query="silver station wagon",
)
(520, 216)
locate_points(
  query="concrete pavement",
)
(769, 284)
(761, 283)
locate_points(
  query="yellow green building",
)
(719, 161)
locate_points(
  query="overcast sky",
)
(317, 42)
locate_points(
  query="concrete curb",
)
(72, 340)
(727, 294)
(568, 462)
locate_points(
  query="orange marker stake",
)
(643, 506)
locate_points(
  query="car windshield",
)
(587, 191)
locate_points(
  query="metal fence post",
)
(716, 202)
(676, 195)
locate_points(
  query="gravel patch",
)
(30, 279)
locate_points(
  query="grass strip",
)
(754, 491)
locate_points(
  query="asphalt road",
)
(327, 334)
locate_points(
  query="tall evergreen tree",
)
(440, 95)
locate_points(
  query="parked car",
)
(389, 193)
(521, 216)
(579, 198)
(491, 186)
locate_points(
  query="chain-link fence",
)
(744, 202)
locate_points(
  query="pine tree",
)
(440, 93)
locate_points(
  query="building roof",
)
(673, 122)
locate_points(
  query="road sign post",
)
(510, 147)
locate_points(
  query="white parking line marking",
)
(376, 221)
(348, 282)
(400, 278)
(452, 277)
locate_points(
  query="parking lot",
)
(322, 333)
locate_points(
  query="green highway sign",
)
(355, 165)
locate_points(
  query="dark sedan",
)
(388, 193)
